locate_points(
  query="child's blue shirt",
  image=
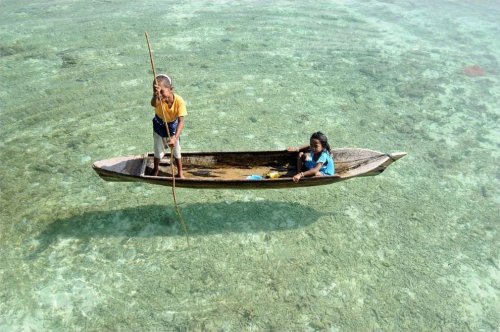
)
(328, 167)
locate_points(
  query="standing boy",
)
(169, 108)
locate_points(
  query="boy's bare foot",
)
(180, 176)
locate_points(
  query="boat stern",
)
(121, 169)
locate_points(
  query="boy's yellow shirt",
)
(178, 109)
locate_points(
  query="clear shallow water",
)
(415, 248)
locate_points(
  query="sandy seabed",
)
(413, 249)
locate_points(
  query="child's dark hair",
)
(164, 80)
(322, 139)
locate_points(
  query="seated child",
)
(317, 161)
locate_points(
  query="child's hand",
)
(172, 141)
(292, 149)
(157, 90)
(297, 177)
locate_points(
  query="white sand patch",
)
(85, 159)
(352, 212)
(130, 83)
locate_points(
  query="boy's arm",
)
(154, 99)
(180, 126)
(178, 132)
(156, 93)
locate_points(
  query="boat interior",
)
(226, 166)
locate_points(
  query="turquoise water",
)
(415, 248)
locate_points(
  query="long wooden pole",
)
(168, 134)
(162, 107)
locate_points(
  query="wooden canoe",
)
(229, 170)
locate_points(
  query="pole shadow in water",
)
(201, 219)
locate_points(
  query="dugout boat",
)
(243, 169)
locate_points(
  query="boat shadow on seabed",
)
(159, 220)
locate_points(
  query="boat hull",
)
(231, 170)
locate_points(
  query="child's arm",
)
(302, 148)
(311, 172)
(178, 132)
(156, 93)
(155, 99)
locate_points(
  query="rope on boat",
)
(181, 219)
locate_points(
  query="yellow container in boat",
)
(273, 175)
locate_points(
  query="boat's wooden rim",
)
(280, 179)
